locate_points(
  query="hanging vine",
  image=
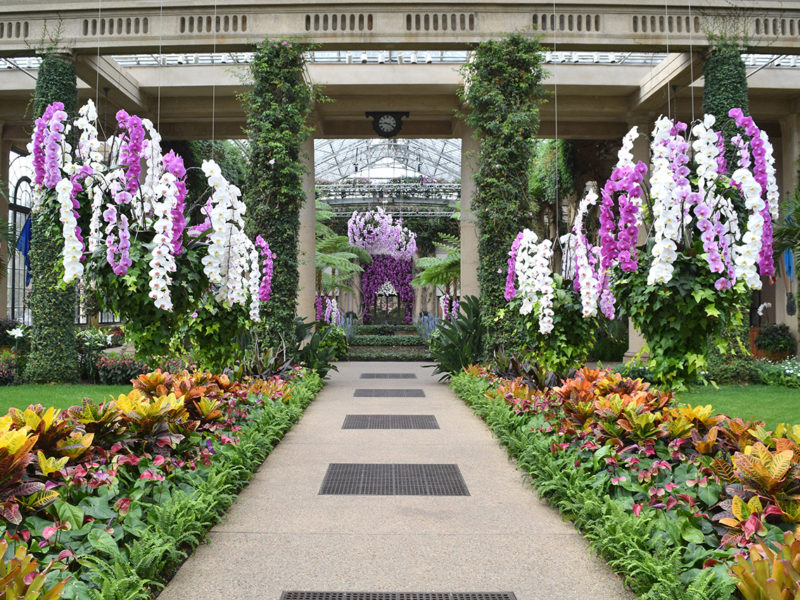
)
(502, 91)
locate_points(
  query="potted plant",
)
(777, 342)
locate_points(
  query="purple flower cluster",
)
(265, 288)
(319, 306)
(130, 152)
(760, 173)
(47, 138)
(511, 276)
(378, 233)
(395, 270)
(173, 163)
(625, 181)
(119, 266)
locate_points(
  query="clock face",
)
(387, 123)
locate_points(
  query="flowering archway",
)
(398, 272)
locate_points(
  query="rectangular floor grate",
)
(389, 393)
(398, 596)
(388, 376)
(393, 480)
(390, 422)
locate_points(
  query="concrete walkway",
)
(282, 535)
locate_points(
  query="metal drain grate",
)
(393, 480)
(390, 422)
(388, 376)
(398, 596)
(389, 393)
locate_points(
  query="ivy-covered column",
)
(467, 225)
(5, 159)
(725, 87)
(503, 89)
(307, 246)
(278, 109)
(54, 353)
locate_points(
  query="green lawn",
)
(60, 396)
(771, 404)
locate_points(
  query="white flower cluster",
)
(535, 279)
(773, 194)
(763, 306)
(162, 262)
(232, 260)
(746, 252)
(153, 174)
(706, 153)
(588, 279)
(73, 247)
(666, 208)
(90, 149)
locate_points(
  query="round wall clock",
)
(387, 124)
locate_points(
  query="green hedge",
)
(622, 539)
(181, 522)
(388, 340)
(54, 349)
(384, 329)
(388, 353)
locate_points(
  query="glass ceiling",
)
(337, 159)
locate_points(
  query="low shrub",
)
(9, 371)
(116, 369)
(736, 369)
(776, 338)
(91, 343)
(384, 329)
(387, 340)
(786, 373)
(336, 340)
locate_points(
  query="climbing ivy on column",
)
(54, 354)
(502, 92)
(725, 87)
(278, 106)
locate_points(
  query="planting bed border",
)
(621, 538)
(140, 570)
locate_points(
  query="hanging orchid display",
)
(709, 229)
(392, 247)
(140, 241)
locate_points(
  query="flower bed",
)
(117, 495)
(667, 494)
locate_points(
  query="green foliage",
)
(336, 340)
(724, 369)
(680, 317)
(612, 341)
(430, 230)
(388, 353)
(566, 346)
(459, 343)
(550, 175)
(440, 271)
(278, 106)
(776, 338)
(388, 340)
(786, 373)
(503, 90)
(54, 355)
(312, 347)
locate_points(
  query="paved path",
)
(282, 535)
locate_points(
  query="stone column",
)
(5, 159)
(307, 243)
(469, 226)
(790, 151)
(641, 151)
